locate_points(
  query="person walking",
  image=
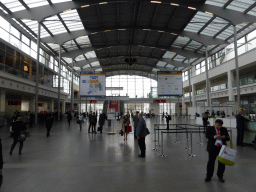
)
(141, 135)
(240, 125)
(101, 121)
(17, 127)
(135, 123)
(205, 119)
(217, 136)
(125, 123)
(69, 117)
(48, 123)
(93, 122)
(80, 120)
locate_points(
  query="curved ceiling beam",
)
(152, 72)
(186, 53)
(168, 61)
(42, 12)
(60, 39)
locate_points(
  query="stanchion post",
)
(158, 139)
(191, 155)
(155, 149)
(200, 143)
(187, 132)
(187, 148)
(176, 142)
(162, 137)
(155, 132)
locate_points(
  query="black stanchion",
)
(187, 139)
(162, 137)
(176, 142)
(191, 154)
(187, 148)
(155, 149)
(200, 143)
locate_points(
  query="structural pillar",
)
(237, 68)
(189, 82)
(231, 96)
(63, 107)
(59, 84)
(183, 106)
(194, 95)
(207, 79)
(72, 87)
(37, 71)
(2, 101)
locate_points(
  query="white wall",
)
(154, 106)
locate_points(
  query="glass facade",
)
(92, 107)
(133, 86)
(133, 107)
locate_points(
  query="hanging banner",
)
(114, 105)
(93, 101)
(170, 83)
(92, 84)
(159, 101)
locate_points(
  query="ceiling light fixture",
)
(156, 2)
(174, 4)
(121, 29)
(161, 31)
(102, 3)
(173, 33)
(192, 8)
(67, 10)
(85, 6)
(146, 29)
(208, 13)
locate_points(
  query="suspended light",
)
(156, 2)
(174, 4)
(192, 8)
(102, 3)
(85, 6)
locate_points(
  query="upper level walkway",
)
(70, 160)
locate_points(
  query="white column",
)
(63, 107)
(32, 103)
(183, 106)
(231, 96)
(2, 102)
(194, 95)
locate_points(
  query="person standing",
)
(205, 119)
(240, 125)
(90, 121)
(80, 120)
(217, 136)
(48, 123)
(17, 127)
(101, 121)
(93, 122)
(69, 117)
(168, 118)
(141, 135)
(135, 123)
(125, 123)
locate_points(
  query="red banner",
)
(113, 105)
(159, 101)
(93, 101)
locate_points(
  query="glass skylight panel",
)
(90, 55)
(252, 12)
(96, 63)
(161, 63)
(84, 41)
(215, 26)
(181, 41)
(3, 10)
(55, 47)
(193, 45)
(77, 68)
(33, 25)
(219, 3)
(198, 22)
(68, 60)
(169, 66)
(54, 25)
(59, 1)
(240, 5)
(36, 3)
(230, 31)
(169, 55)
(100, 69)
(155, 70)
(80, 58)
(13, 5)
(72, 20)
(70, 45)
(179, 58)
(86, 66)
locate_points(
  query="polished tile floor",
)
(70, 160)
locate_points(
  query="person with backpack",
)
(168, 118)
(19, 135)
(48, 123)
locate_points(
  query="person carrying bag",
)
(227, 155)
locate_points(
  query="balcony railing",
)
(245, 81)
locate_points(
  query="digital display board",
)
(92, 84)
(170, 83)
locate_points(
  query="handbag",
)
(129, 129)
(227, 155)
(121, 132)
(22, 136)
(147, 131)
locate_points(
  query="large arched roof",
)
(160, 35)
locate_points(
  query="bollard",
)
(191, 154)
(162, 155)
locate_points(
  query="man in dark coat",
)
(217, 136)
(135, 123)
(141, 135)
(93, 122)
(168, 118)
(101, 121)
(90, 121)
(240, 125)
(48, 122)
(69, 117)
(17, 127)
